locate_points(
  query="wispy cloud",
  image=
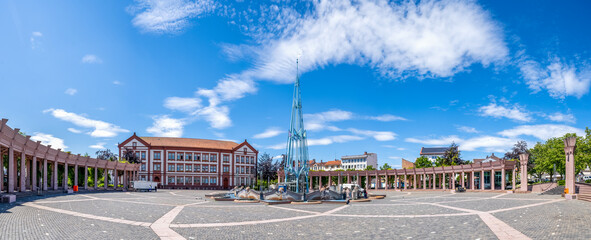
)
(514, 112)
(561, 117)
(269, 133)
(91, 58)
(387, 118)
(165, 126)
(48, 139)
(467, 129)
(34, 39)
(73, 130)
(558, 78)
(167, 16)
(71, 91)
(480, 143)
(100, 128)
(542, 131)
(100, 145)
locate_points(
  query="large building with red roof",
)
(193, 163)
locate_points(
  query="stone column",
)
(424, 181)
(23, 185)
(125, 180)
(34, 174)
(44, 174)
(569, 151)
(339, 176)
(65, 176)
(387, 182)
(492, 179)
(463, 180)
(503, 183)
(453, 180)
(116, 178)
(514, 178)
(443, 181)
(523, 158)
(54, 175)
(85, 177)
(348, 178)
(414, 182)
(378, 181)
(434, 177)
(405, 182)
(472, 181)
(75, 182)
(481, 179)
(95, 178)
(11, 172)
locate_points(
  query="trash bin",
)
(75, 188)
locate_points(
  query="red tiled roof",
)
(335, 162)
(190, 143)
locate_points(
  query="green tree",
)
(439, 162)
(369, 168)
(452, 155)
(423, 162)
(386, 166)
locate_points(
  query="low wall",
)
(539, 188)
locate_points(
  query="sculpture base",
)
(570, 196)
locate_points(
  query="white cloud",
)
(558, 78)
(514, 112)
(48, 139)
(74, 130)
(480, 143)
(98, 146)
(377, 135)
(467, 129)
(167, 16)
(319, 121)
(117, 82)
(71, 91)
(269, 133)
(34, 39)
(182, 104)
(561, 117)
(90, 58)
(400, 39)
(387, 118)
(165, 126)
(101, 129)
(393, 157)
(322, 141)
(542, 131)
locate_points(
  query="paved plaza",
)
(187, 214)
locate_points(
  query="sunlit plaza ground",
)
(189, 214)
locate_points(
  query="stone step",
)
(584, 197)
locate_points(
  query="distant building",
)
(325, 166)
(433, 153)
(360, 162)
(407, 164)
(193, 163)
(491, 158)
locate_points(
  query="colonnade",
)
(469, 176)
(32, 166)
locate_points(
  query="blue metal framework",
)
(296, 164)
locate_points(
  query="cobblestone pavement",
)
(187, 214)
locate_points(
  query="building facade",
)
(193, 163)
(433, 153)
(360, 162)
(325, 166)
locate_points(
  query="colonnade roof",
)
(11, 138)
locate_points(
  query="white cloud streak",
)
(467, 129)
(48, 139)
(558, 78)
(90, 58)
(100, 128)
(387, 118)
(515, 112)
(100, 145)
(165, 126)
(561, 117)
(71, 91)
(167, 16)
(269, 133)
(542, 131)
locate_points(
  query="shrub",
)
(561, 182)
(588, 181)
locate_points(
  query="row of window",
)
(357, 160)
(201, 168)
(192, 180)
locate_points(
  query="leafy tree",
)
(369, 168)
(106, 155)
(266, 168)
(386, 166)
(423, 162)
(452, 155)
(131, 156)
(439, 161)
(519, 148)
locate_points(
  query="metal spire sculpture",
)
(296, 165)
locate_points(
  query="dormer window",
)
(134, 144)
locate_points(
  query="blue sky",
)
(377, 76)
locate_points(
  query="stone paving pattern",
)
(188, 214)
